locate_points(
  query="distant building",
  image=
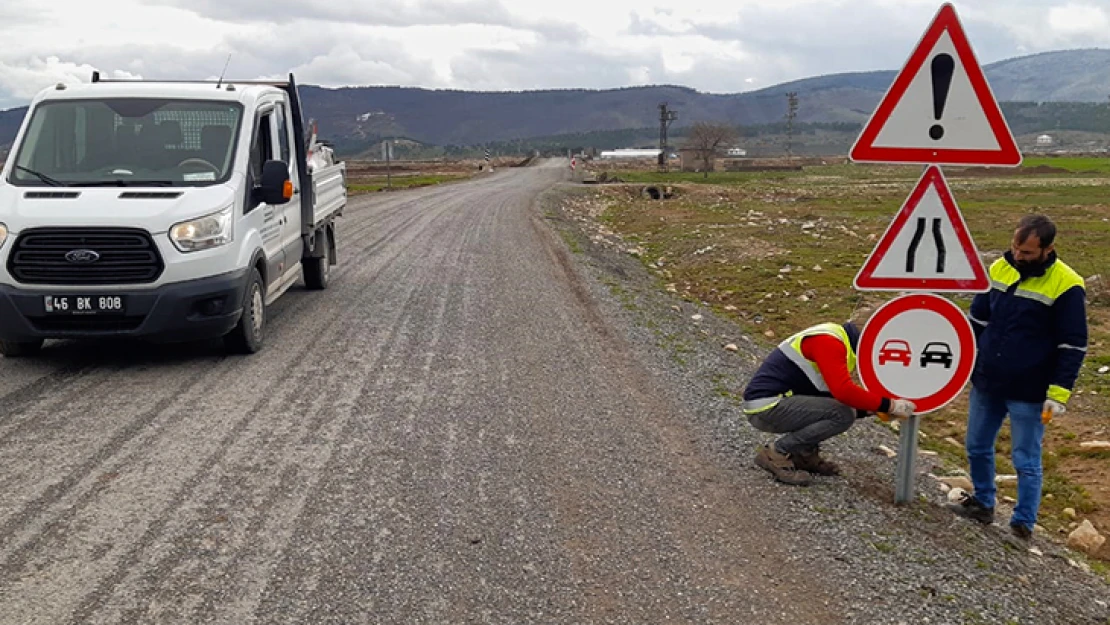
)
(692, 160)
(737, 152)
(1044, 140)
(631, 153)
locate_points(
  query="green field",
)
(1075, 164)
(371, 185)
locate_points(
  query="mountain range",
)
(355, 118)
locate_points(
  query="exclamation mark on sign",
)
(943, 66)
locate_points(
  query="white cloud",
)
(510, 44)
(1078, 19)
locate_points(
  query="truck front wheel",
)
(246, 337)
(17, 349)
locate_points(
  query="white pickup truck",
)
(169, 211)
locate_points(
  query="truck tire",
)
(18, 349)
(246, 337)
(318, 270)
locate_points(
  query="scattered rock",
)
(696, 317)
(676, 308)
(928, 453)
(944, 488)
(818, 268)
(1103, 369)
(1095, 445)
(958, 481)
(956, 494)
(1070, 513)
(732, 347)
(1008, 499)
(883, 449)
(1086, 538)
(952, 441)
(730, 307)
(1035, 551)
(769, 334)
(672, 288)
(1005, 479)
(785, 269)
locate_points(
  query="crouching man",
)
(804, 390)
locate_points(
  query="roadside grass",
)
(777, 251)
(378, 183)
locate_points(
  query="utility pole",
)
(387, 151)
(791, 113)
(666, 116)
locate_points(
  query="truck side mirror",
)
(275, 187)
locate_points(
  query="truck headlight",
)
(203, 233)
(3, 234)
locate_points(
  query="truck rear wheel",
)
(246, 337)
(17, 349)
(318, 270)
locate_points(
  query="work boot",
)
(969, 507)
(1022, 532)
(812, 462)
(782, 467)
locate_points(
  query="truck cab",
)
(168, 211)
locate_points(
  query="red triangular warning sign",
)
(940, 109)
(927, 246)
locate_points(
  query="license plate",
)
(84, 304)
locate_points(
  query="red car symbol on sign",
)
(895, 350)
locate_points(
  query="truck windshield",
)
(128, 142)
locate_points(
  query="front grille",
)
(126, 256)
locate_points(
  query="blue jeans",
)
(984, 419)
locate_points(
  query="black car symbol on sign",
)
(937, 352)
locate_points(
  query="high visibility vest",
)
(791, 347)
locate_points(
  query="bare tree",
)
(705, 138)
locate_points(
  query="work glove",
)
(900, 408)
(1051, 409)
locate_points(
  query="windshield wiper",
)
(41, 176)
(120, 182)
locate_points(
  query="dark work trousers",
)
(806, 421)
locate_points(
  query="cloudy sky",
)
(718, 46)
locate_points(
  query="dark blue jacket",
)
(1031, 330)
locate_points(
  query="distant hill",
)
(356, 118)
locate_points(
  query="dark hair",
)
(1039, 225)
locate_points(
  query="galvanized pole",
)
(907, 457)
(388, 157)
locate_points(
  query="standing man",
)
(1031, 331)
(804, 390)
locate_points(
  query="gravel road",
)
(486, 418)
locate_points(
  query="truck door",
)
(291, 242)
(267, 218)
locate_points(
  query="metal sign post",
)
(907, 458)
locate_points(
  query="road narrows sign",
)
(927, 247)
(918, 347)
(940, 109)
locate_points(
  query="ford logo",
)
(82, 257)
